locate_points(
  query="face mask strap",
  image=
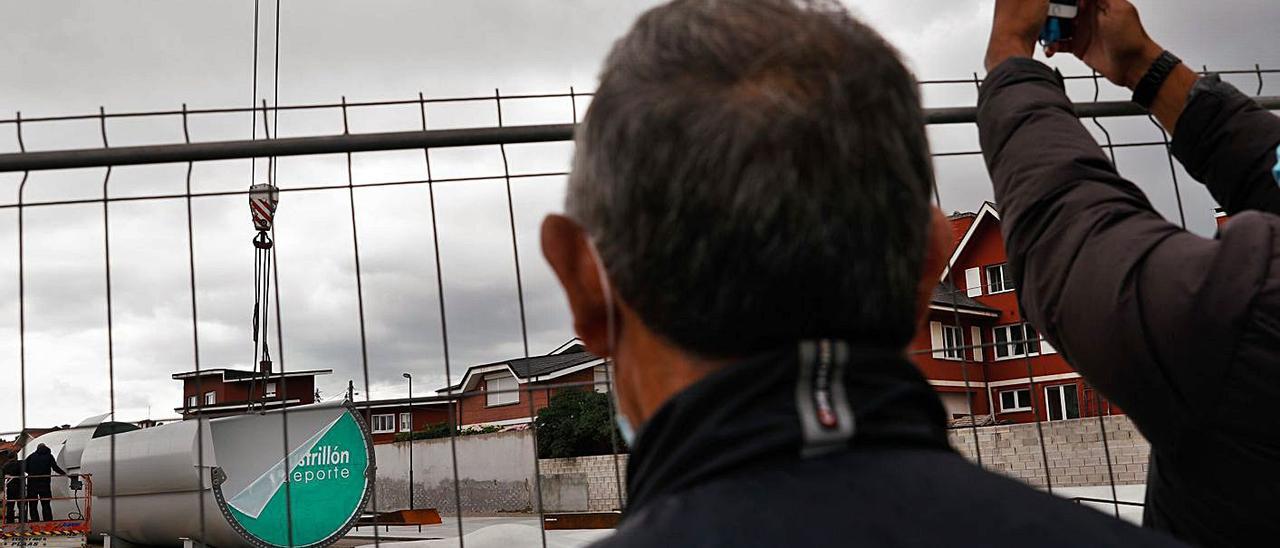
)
(607, 289)
(624, 425)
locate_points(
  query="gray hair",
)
(756, 172)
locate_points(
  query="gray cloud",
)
(134, 55)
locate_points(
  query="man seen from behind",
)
(749, 239)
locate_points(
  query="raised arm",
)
(1229, 143)
(1223, 138)
(1144, 310)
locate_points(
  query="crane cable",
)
(263, 200)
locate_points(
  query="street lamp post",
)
(410, 379)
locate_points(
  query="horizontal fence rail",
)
(407, 140)
(291, 146)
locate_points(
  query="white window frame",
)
(601, 377)
(1008, 349)
(210, 398)
(973, 282)
(1062, 401)
(382, 424)
(1015, 391)
(406, 421)
(998, 284)
(952, 349)
(270, 391)
(975, 339)
(501, 395)
(193, 401)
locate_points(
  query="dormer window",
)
(501, 389)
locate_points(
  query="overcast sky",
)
(72, 57)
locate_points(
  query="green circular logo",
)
(309, 498)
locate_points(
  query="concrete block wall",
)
(603, 478)
(1073, 447)
(495, 474)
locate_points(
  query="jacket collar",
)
(802, 401)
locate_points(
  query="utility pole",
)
(410, 379)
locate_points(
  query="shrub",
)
(442, 430)
(577, 423)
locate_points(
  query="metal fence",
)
(1105, 118)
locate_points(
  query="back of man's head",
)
(755, 172)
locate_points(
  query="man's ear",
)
(565, 246)
(936, 254)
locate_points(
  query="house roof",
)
(945, 295)
(25, 436)
(988, 210)
(540, 366)
(400, 402)
(572, 345)
(533, 367)
(236, 405)
(240, 375)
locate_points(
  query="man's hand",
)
(1015, 30)
(1109, 37)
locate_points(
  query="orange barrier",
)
(59, 527)
(417, 516)
(582, 520)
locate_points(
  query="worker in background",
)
(1182, 332)
(749, 237)
(11, 477)
(40, 467)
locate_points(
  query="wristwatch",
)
(1149, 86)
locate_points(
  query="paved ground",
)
(505, 532)
(523, 532)
(1125, 493)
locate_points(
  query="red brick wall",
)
(986, 248)
(299, 388)
(205, 383)
(423, 416)
(921, 349)
(959, 226)
(474, 408)
(294, 388)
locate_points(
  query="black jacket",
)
(1180, 331)
(11, 475)
(42, 463)
(806, 447)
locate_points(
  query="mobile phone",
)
(1060, 26)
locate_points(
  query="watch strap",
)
(1149, 86)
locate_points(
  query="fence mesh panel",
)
(433, 158)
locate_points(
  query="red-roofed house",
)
(221, 391)
(498, 394)
(977, 350)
